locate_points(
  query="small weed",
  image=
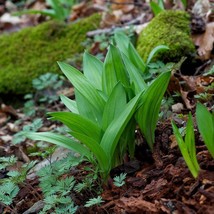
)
(119, 181)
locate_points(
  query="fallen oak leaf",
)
(205, 42)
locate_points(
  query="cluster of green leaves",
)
(58, 187)
(111, 98)
(59, 9)
(104, 39)
(46, 87)
(9, 186)
(205, 122)
(34, 126)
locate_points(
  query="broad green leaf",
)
(114, 70)
(97, 150)
(77, 123)
(109, 78)
(136, 59)
(156, 9)
(205, 122)
(114, 105)
(115, 129)
(190, 141)
(147, 115)
(136, 79)
(93, 68)
(125, 46)
(155, 51)
(86, 109)
(127, 140)
(59, 140)
(184, 151)
(70, 104)
(83, 86)
(122, 42)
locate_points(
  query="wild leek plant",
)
(187, 146)
(205, 122)
(110, 98)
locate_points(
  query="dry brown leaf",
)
(205, 42)
(136, 205)
(125, 5)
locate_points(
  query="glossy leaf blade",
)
(147, 115)
(70, 104)
(80, 82)
(79, 124)
(86, 109)
(59, 140)
(93, 68)
(114, 105)
(136, 79)
(190, 141)
(205, 122)
(184, 151)
(97, 150)
(155, 51)
(112, 135)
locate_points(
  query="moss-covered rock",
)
(169, 28)
(34, 51)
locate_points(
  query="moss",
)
(34, 51)
(169, 28)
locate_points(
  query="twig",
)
(125, 3)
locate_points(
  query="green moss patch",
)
(169, 28)
(34, 51)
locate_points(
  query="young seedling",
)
(187, 146)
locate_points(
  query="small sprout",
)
(187, 146)
(119, 181)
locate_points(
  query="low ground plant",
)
(187, 146)
(111, 98)
(98, 119)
